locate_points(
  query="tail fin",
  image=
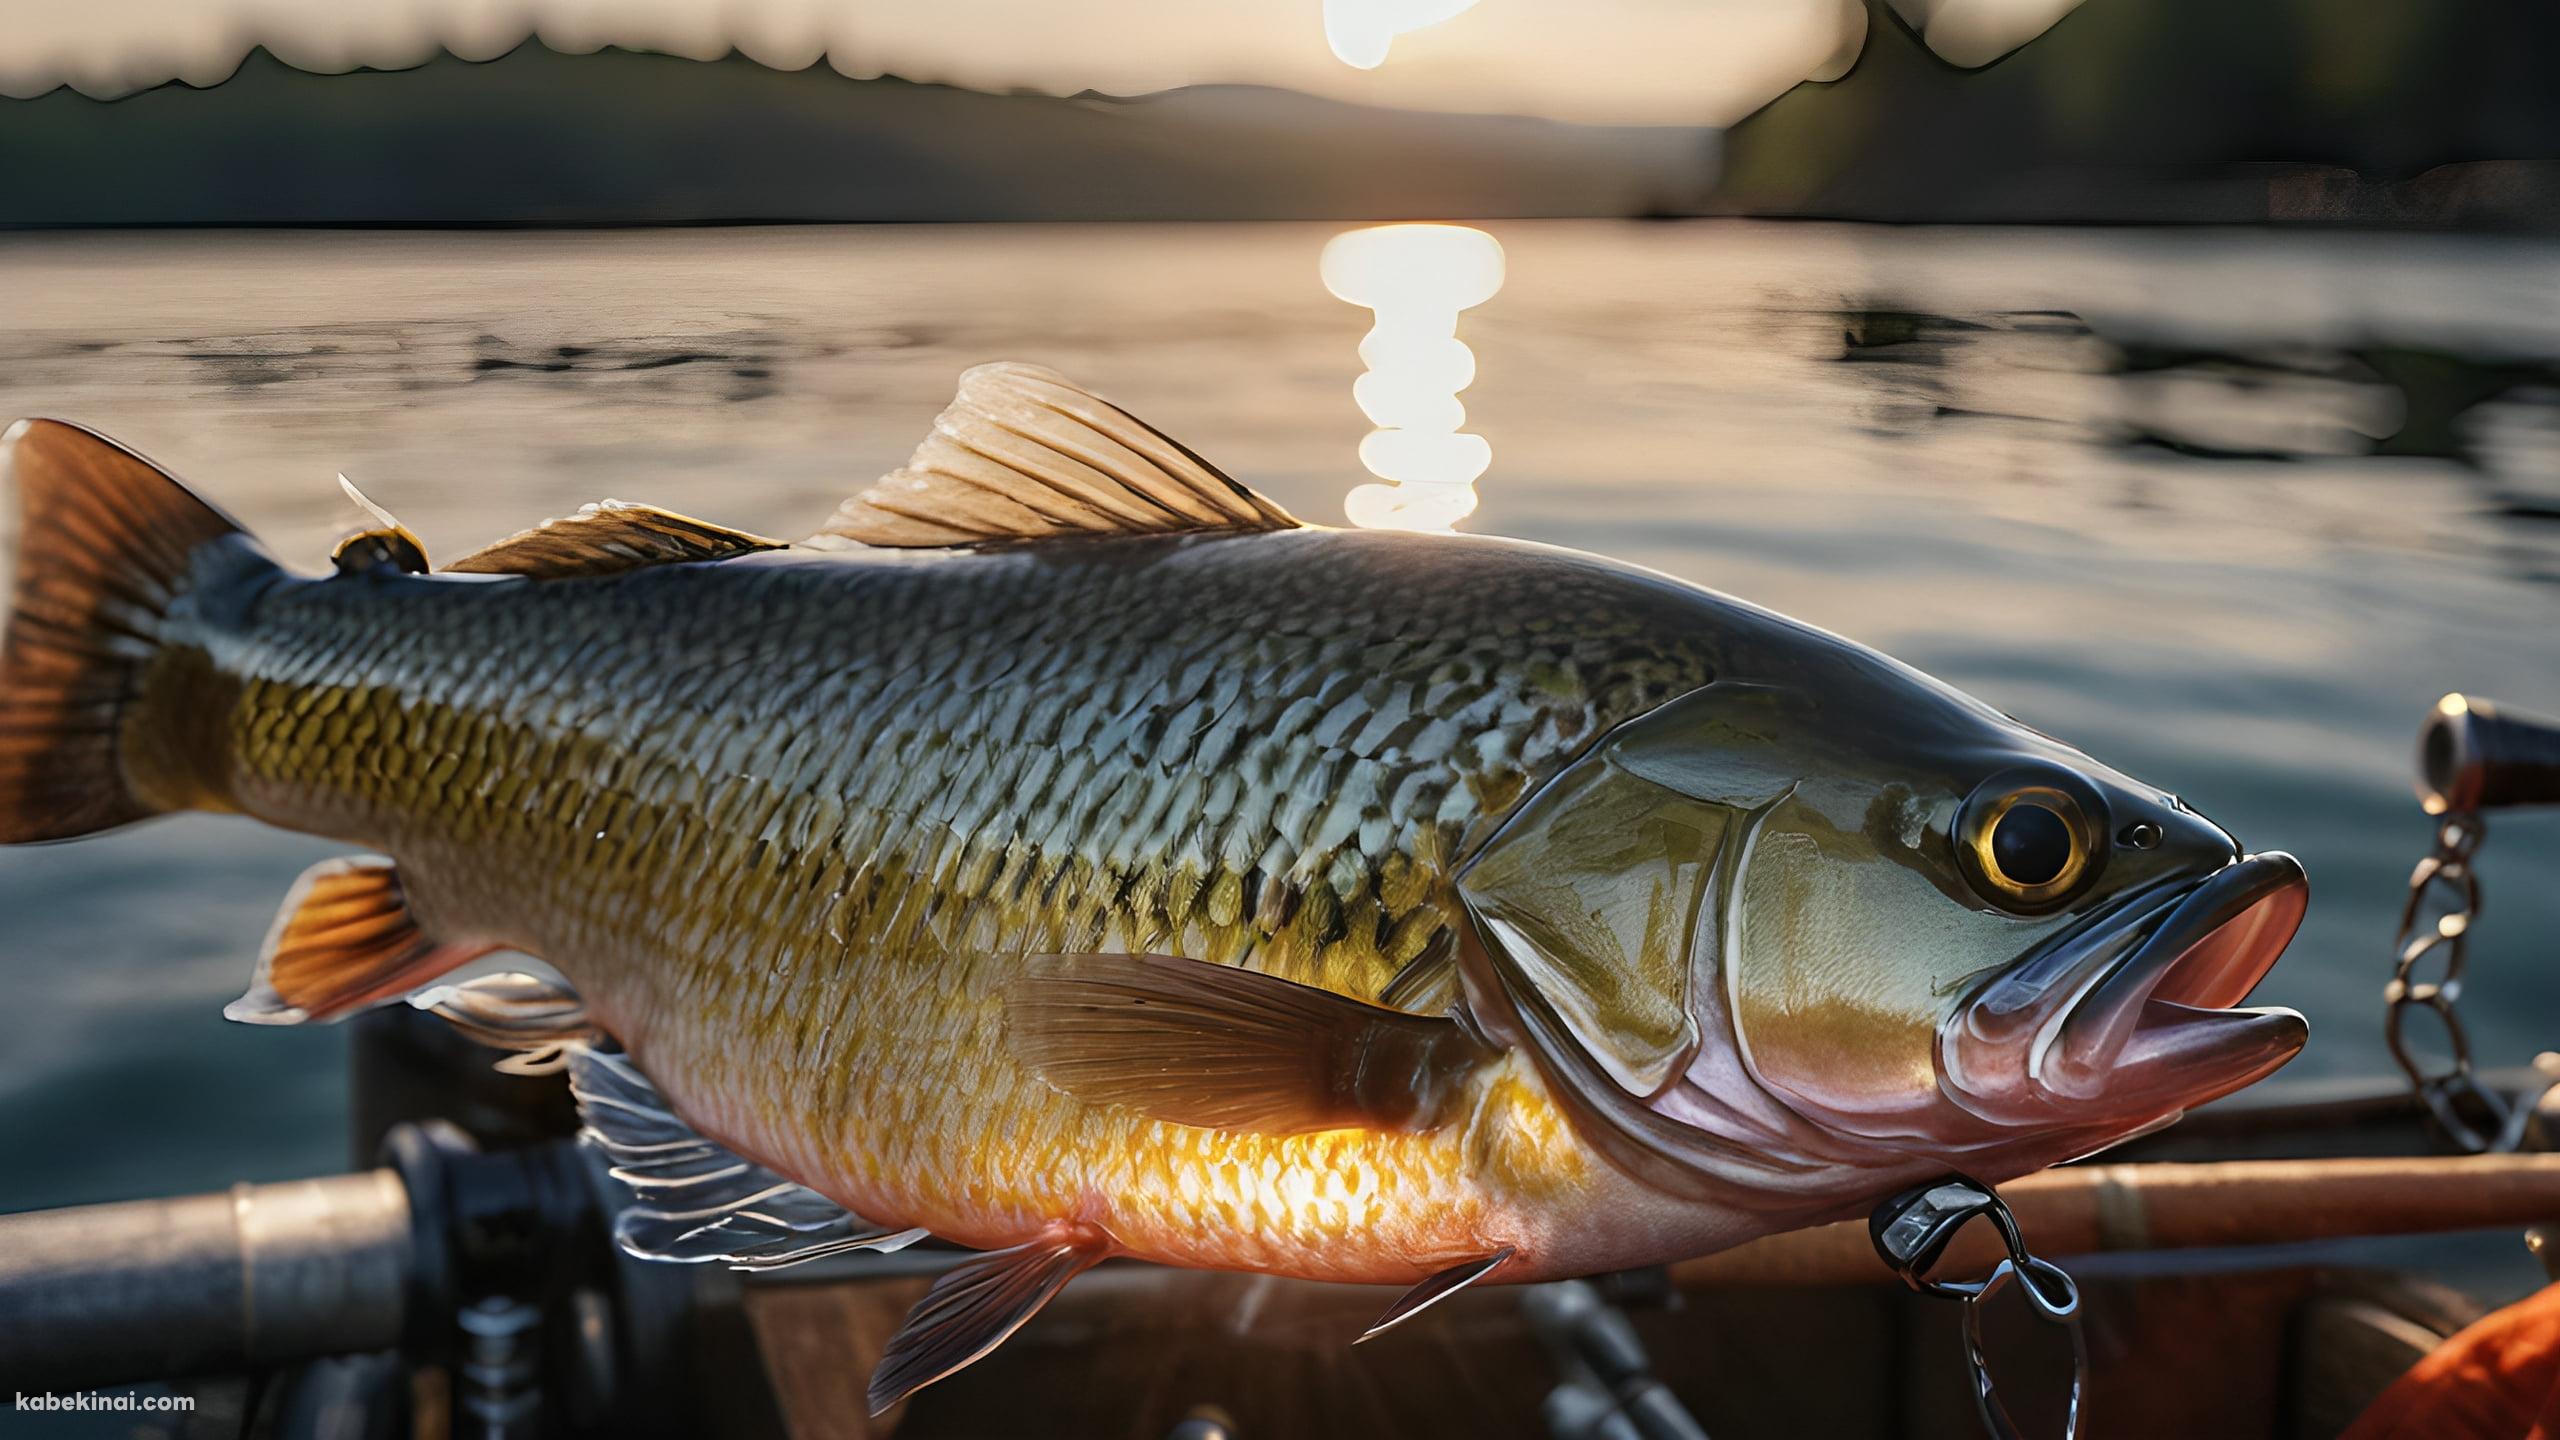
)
(103, 544)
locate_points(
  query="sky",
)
(1623, 62)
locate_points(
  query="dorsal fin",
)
(1025, 454)
(608, 538)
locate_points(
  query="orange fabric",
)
(2497, 1380)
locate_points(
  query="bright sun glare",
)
(1361, 30)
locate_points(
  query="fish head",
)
(1858, 917)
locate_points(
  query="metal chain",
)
(2435, 931)
(1913, 1229)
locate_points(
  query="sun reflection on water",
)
(1416, 278)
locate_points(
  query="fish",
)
(1066, 853)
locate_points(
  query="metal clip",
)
(1911, 1232)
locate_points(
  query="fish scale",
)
(851, 823)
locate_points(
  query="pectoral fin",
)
(694, 1200)
(971, 1309)
(345, 940)
(1222, 1048)
(1434, 1290)
(1428, 984)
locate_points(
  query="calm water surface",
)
(2229, 511)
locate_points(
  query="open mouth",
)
(2163, 1024)
(2139, 1012)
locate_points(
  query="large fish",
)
(1068, 854)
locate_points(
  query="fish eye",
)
(2028, 846)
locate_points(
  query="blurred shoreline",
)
(2391, 114)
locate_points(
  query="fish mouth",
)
(2136, 1014)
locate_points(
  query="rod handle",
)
(2474, 754)
(203, 1284)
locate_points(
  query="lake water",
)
(2228, 510)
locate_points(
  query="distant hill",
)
(538, 138)
(2417, 113)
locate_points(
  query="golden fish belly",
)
(916, 1115)
(792, 826)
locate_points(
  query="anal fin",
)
(694, 1200)
(541, 1020)
(345, 940)
(1434, 1290)
(973, 1307)
(1222, 1048)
